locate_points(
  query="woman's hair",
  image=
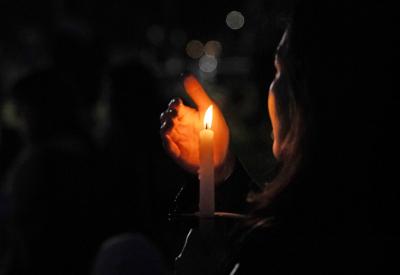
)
(331, 115)
(288, 94)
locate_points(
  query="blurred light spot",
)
(101, 112)
(174, 66)
(208, 63)
(155, 34)
(213, 48)
(177, 38)
(235, 20)
(9, 115)
(194, 49)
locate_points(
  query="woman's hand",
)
(181, 125)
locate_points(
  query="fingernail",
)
(174, 102)
(162, 116)
(172, 112)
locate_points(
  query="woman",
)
(331, 207)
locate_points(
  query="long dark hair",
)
(333, 120)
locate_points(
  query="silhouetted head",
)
(78, 54)
(47, 103)
(332, 108)
(128, 254)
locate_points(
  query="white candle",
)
(206, 171)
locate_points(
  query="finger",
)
(183, 111)
(174, 102)
(170, 147)
(166, 126)
(176, 110)
(171, 110)
(163, 117)
(196, 92)
(168, 114)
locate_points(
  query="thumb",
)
(196, 92)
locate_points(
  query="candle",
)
(206, 171)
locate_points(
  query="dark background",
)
(157, 33)
(124, 180)
(116, 65)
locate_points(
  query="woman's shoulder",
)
(268, 246)
(278, 248)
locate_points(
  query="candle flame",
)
(208, 118)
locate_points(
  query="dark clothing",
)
(209, 242)
(56, 205)
(287, 240)
(129, 254)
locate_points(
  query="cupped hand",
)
(181, 125)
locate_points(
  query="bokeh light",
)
(235, 20)
(194, 49)
(208, 63)
(9, 115)
(213, 48)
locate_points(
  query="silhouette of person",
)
(129, 254)
(140, 199)
(55, 188)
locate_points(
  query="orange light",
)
(208, 118)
